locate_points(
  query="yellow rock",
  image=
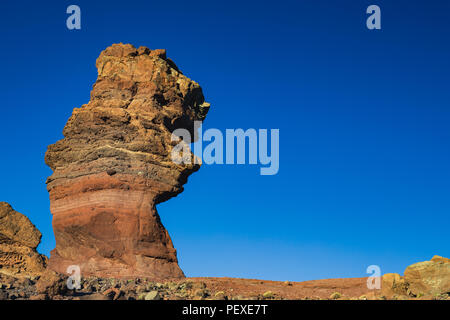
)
(440, 259)
(393, 284)
(429, 277)
(268, 295)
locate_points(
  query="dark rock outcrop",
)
(114, 166)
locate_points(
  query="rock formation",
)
(427, 278)
(114, 166)
(19, 239)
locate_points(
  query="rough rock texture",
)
(51, 284)
(19, 239)
(393, 284)
(428, 278)
(114, 166)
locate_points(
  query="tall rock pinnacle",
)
(114, 166)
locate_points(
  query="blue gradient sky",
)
(363, 116)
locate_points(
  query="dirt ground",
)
(315, 289)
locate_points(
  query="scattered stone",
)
(202, 293)
(111, 172)
(113, 293)
(199, 285)
(187, 285)
(172, 286)
(52, 284)
(153, 295)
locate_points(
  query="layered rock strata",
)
(114, 166)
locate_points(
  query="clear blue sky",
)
(363, 116)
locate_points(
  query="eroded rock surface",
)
(423, 279)
(429, 277)
(114, 166)
(19, 239)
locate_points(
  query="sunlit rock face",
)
(114, 166)
(19, 239)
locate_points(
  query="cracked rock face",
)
(427, 278)
(19, 239)
(114, 166)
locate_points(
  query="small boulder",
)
(201, 293)
(52, 284)
(152, 295)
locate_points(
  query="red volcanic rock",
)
(114, 166)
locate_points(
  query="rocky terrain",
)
(427, 280)
(114, 166)
(24, 276)
(111, 170)
(54, 286)
(19, 239)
